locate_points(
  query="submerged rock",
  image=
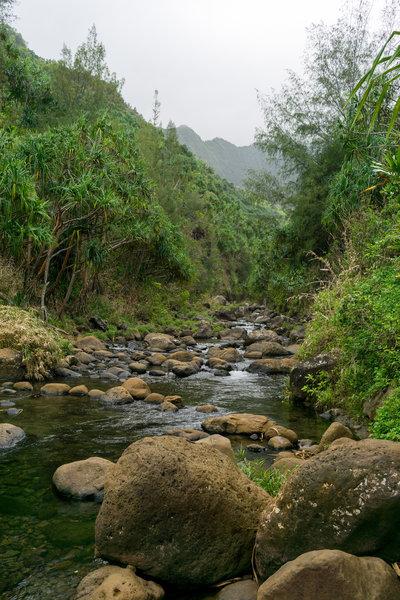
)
(181, 512)
(328, 574)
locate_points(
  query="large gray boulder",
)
(330, 575)
(180, 512)
(10, 363)
(312, 366)
(115, 583)
(10, 435)
(83, 479)
(346, 498)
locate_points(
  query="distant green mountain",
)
(229, 161)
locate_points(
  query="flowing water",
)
(46, 542)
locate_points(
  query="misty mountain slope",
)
(229, 161)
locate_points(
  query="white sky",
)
(207, 58)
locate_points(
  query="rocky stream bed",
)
(47, 539)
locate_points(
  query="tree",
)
(156, 110)
(6, 10)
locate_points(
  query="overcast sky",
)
(207, 58)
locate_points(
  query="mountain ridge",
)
(228, 160)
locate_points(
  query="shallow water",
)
(46, 542)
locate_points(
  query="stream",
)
(47, 542)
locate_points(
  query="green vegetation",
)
(387, 421)
(270, 480)
(41, 347)
(96, 202)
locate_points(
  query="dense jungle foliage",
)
(101, 210)
(97, 204)
(337, 251)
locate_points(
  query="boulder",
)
(279, 443)
(219, 300)
(138, 367)
(154, 398)
(23, 386)
(226, 314)
(218, 442)
(161, 342)
(267, 348)
(98, 323)
(83, 479)
(156, 359)
(137, 388)
(312, 366)
(184, 369)
(96, 394)
(228, 354)
(218, 363)
(167, 407)
(182, 356)
(271, 366)
(234, 333)
(188, 340)
(286, 463)
(90, 343)
(192, 435)
(116, 395)
(177, 400)
(334, 432)
(180, 512)
(82, 357)
(54, 389)
(79, 390)
(371, 404)
(10, 363)
(111, 583)
(10, 435)
(347, 498)
(281, 431)
(298, 334)
(330, 574)
(241, 590)
(204, 331)
(64, 372)
(236, 424)
(259, 335)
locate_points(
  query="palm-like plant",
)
(385, 71)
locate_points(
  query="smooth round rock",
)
(137, 388)
(78, 390)
(83, 479)
(10, 435)
(96, 394)
(54, 389)
(116, 395)
(23, 386)
(206, 408)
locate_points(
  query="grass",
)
(271, 481)
(41, 348)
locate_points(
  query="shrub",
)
(41, 348)
(271, 481)
(387, 421)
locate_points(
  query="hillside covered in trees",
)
(97, 202)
